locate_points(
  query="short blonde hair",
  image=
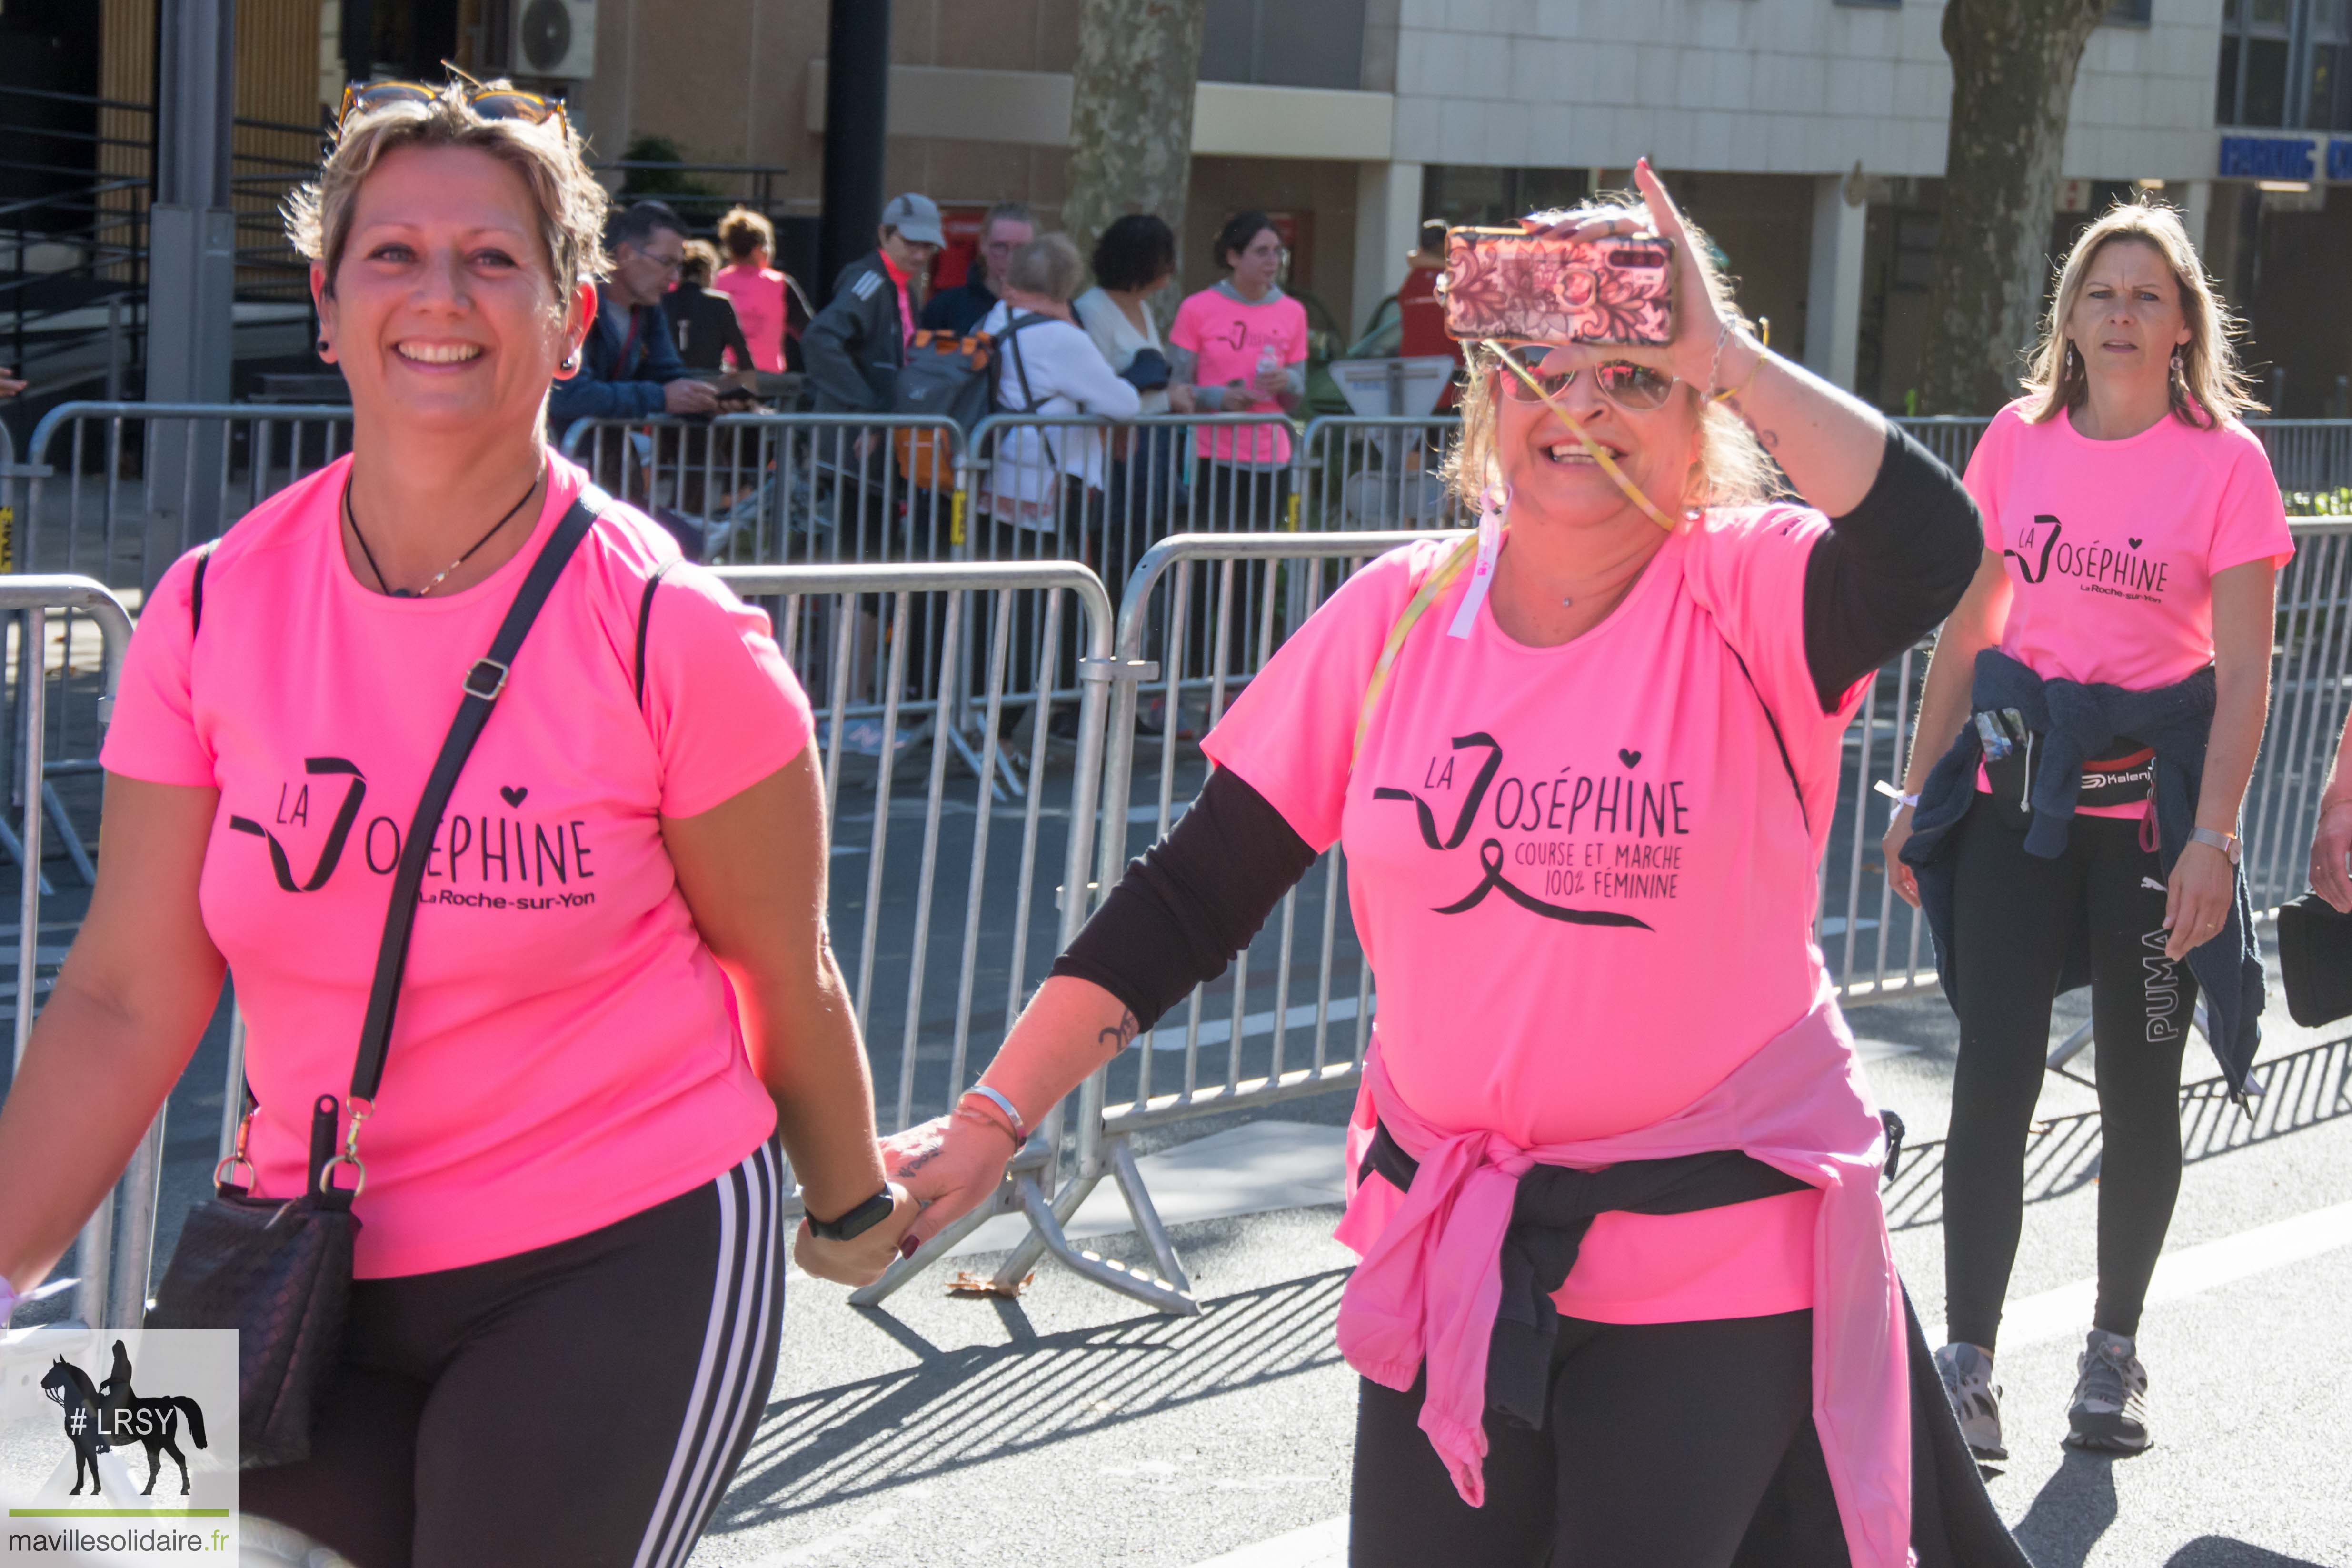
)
(1049, 266)
(745, 234)
(571, 205)
(2210, 385)
(1732, 468)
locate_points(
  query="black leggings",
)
(2012, 919)
(1661, 1440)
(584, 1403)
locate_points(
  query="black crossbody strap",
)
(646, 621)
(483, 683)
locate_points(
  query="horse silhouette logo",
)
(111, 1415)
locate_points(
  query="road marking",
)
(2065, 1312)
(1320, 1545)
(2050, 1315)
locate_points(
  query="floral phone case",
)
(1509, 284)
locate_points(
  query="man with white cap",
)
(857, 343)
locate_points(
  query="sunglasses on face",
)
(1621, 382)
(489, 103)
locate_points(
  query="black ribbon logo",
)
(333, 851)
(1490, 855)
(2035, 573)
(1470, 802)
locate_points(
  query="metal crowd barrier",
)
(110, 1252)
(1378, 473)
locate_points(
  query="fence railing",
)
(116, 1244)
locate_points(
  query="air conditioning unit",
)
(554, 39)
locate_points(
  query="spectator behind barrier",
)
(1008, 226)
(858, 341)
(1134, 259)
(1240, 347)
(1049, 366)
(767, 301)
(629, 367)
(701, 319)
(620, 991)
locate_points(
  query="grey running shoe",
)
(1976, 1400)
(2110, 1408)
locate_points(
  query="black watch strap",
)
(857, 1221)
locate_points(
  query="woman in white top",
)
(1046, 481)
(1135, 258)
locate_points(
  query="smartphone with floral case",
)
(1509, 284)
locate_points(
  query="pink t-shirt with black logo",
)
(567, 1051)
(1230, 336)
(2111, 546)
(1580, 874)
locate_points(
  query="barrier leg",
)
(135, 1237)
(1047, 1227)
(938, 1246)
(1023, 1258)
(15, 848)
(1148, 1223)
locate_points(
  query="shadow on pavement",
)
(2300, 1090)
(966, 1407)
(2071, 1511)
(2221, 1552)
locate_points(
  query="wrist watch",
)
(2227, 843)
(857, 1221)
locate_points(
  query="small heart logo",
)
(1629, 758)
(513, 796)
(2135, 544)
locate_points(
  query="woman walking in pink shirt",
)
(618, 994)
(1626, 1296)
(2071, 808)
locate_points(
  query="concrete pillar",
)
(1833, 287)
(1388, 224)
(2195, 199)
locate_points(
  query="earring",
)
(324, 347)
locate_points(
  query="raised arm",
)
(1177, 919)
(129, 1004)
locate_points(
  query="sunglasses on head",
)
(1621, 382)
(489, 103)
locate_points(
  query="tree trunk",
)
(1131, 113)
(2013, 65)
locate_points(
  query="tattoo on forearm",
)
(921, 1160)
(1119, 1035)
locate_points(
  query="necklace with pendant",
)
(352, 517)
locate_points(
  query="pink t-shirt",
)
(2111, 546)
(566, 1052)
(759, 296)
(1580, 873)
(1228, 336)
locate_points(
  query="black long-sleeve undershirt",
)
(1881, 577)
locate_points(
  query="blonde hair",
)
(571, 205)
(745, 234)
(1049, 266)
(699, 260)
(2208, 385)
(1732, 469)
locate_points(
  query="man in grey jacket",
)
(857, 343)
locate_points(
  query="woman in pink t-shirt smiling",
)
(1626, 1294)
(2071, 806)
(569, 1266)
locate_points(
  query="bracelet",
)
(1013, 1122)
(1898, 797)
(1728, 392)
(1715, 362)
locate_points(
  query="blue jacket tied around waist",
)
(2076, 721)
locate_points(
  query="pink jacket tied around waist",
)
(1430, 1283)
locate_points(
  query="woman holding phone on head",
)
(1583, 785)
(2070, 812)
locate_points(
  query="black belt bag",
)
(2125, 777)
(279, 1270)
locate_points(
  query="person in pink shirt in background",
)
(1626, 1294)
(2133, 536)
(762, 296)
(619, 1000)
(1240, 347)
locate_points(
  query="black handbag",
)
(2315, 960)
(279, 1270)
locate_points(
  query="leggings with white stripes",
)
(583, 1404)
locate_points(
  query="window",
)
(2284, 63)
(1285, 43)
(1488, 197)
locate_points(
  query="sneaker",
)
(1967, 1373)
(2110, 1408)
